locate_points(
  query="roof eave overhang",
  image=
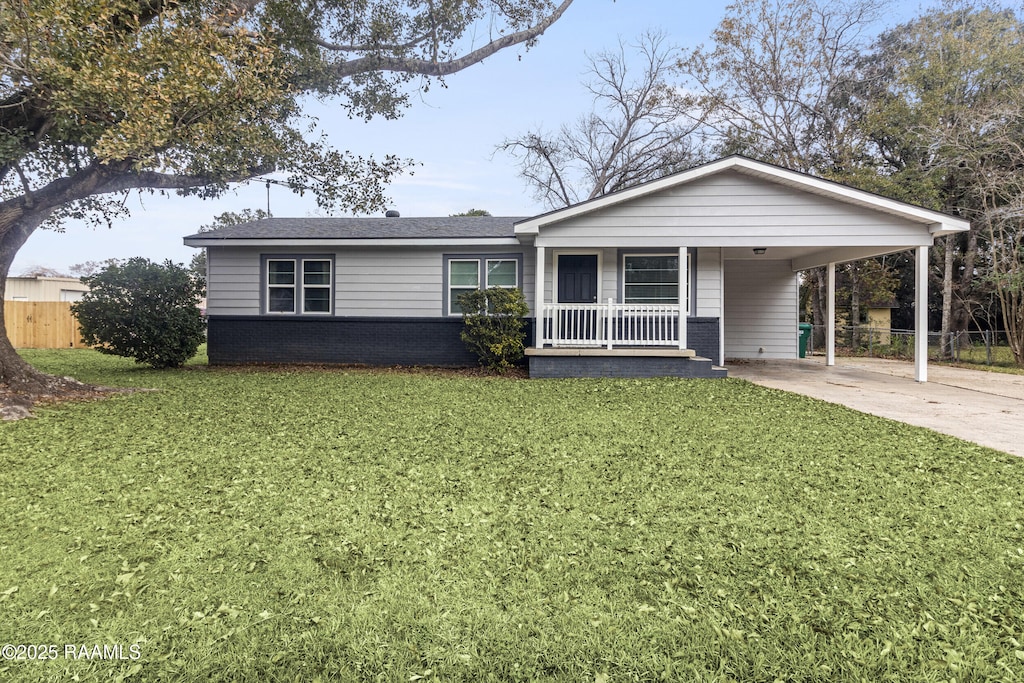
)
(284, 242)
(949, 228)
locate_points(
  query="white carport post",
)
(538, 301)
(830, 317)
(921, 315)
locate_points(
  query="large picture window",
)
(653, 279)
(299, 285)
(469, 273)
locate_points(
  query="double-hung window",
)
(299, 285)
(469, 273)
(653, 279)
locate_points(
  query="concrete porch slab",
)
(589, 362)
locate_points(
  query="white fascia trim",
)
(284, 243)
(898, 242)
(938, 222)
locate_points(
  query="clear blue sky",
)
(452, 132)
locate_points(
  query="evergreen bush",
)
(495, 326)
(143, 310)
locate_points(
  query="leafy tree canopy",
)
(102, 97)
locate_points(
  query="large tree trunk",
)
(819, 305)
(19, 218)
(15, 373)
(854, 305)
(945, 347)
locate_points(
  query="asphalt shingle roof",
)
(455, 227)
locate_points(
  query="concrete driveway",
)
(984, 407)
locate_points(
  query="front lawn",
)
(251, 525)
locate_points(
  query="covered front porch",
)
(613, 312)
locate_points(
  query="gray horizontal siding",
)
(232, 281)
(397, 282)
(389, 283)
(737, 208)
(709, 283)
(760, 309)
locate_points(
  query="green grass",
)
(975, 357)
(272, 525)
(971, 356)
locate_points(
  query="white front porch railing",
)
(612, 324)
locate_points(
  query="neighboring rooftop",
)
(454, 227)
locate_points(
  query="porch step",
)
(562, 363)
(715, 371)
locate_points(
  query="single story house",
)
(672, 277)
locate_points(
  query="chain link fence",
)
(985, 347)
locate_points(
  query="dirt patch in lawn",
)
(17, 405)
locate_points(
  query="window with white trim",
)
(466, 274)
(654, 279)
(299, 285)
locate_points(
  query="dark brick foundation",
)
(367, 341)
(702, 337)
(406, 341)
(547, 367)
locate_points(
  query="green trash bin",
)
(805, 336)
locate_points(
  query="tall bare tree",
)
(638, 129)
(774, 85)
(997, 185)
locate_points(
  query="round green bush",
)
(143, 310)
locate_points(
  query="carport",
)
(870, 226)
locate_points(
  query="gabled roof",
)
(359, 230)
(939, 223)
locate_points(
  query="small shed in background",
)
(42, 288)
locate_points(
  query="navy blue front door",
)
(577, 279)
(577, 284)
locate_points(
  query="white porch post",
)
(538, 301)
(830, 318)
(721, 306)
(684, 289)
(921, 315)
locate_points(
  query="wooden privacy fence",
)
(42, 325)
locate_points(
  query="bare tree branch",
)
(437, 68)
(639, 130)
